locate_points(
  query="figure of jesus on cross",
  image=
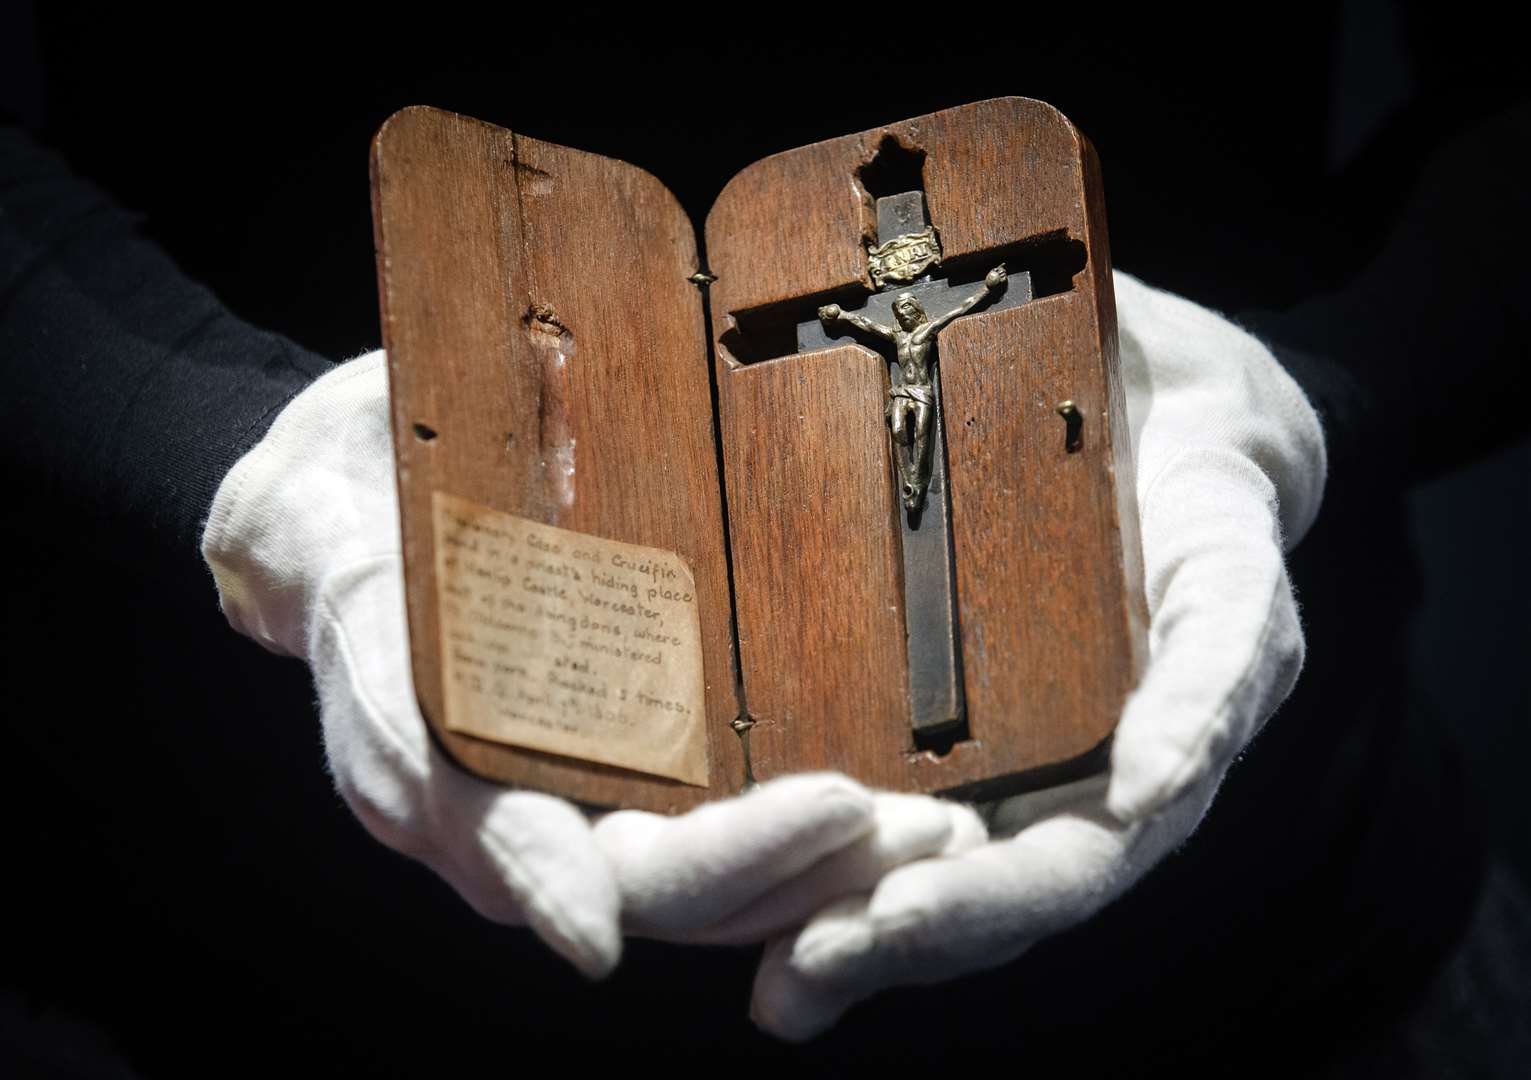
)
(911, 390)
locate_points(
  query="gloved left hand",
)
(304, 543)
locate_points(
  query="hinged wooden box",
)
(899, 547)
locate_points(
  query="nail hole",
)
(424, 432)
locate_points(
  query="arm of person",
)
(995, 279)
(832, 313)
(130, 390)
(1415, 364)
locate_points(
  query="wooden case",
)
(537, 302)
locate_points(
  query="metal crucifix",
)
(912, 393)
(900, 264)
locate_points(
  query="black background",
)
(189, 895)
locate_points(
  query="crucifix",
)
(856, 469)
(908, 249)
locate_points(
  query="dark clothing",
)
(171, 820)
(130, 390)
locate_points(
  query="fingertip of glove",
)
(834, 937)
(588, 933)
(968, 830)
(917, 826)
(544, 855)
(824, 787)
(911, 824)
(786, 1024)
(623, 833)
(593, 949)
(1144, 780)
(783, 1005)
(1126, 805)
(597, 953)
(838, 808)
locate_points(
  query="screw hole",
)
(424, 432)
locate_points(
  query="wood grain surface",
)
(1047, 553)
(816, 549)
(548, 358)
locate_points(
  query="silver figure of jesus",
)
(911, 390)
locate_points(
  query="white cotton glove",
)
(303, 542)
(1230, 473)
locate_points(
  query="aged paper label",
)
(567, 643)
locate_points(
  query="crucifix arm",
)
(831, 314)
(994, 281)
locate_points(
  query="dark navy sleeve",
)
(127, 391)
(1417, 364)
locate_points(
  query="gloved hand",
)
(303, 542)
(1230, 473)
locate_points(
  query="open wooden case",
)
(559, 351)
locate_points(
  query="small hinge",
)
(701, 279)
(742, 725)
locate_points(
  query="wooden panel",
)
(541, 331)
(764, 250)
(1048, 566)
(1046, 636)
(995, 172)
(1002, 170)
(816, 547)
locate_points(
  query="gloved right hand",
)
(303, 542)
(1231, 464)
